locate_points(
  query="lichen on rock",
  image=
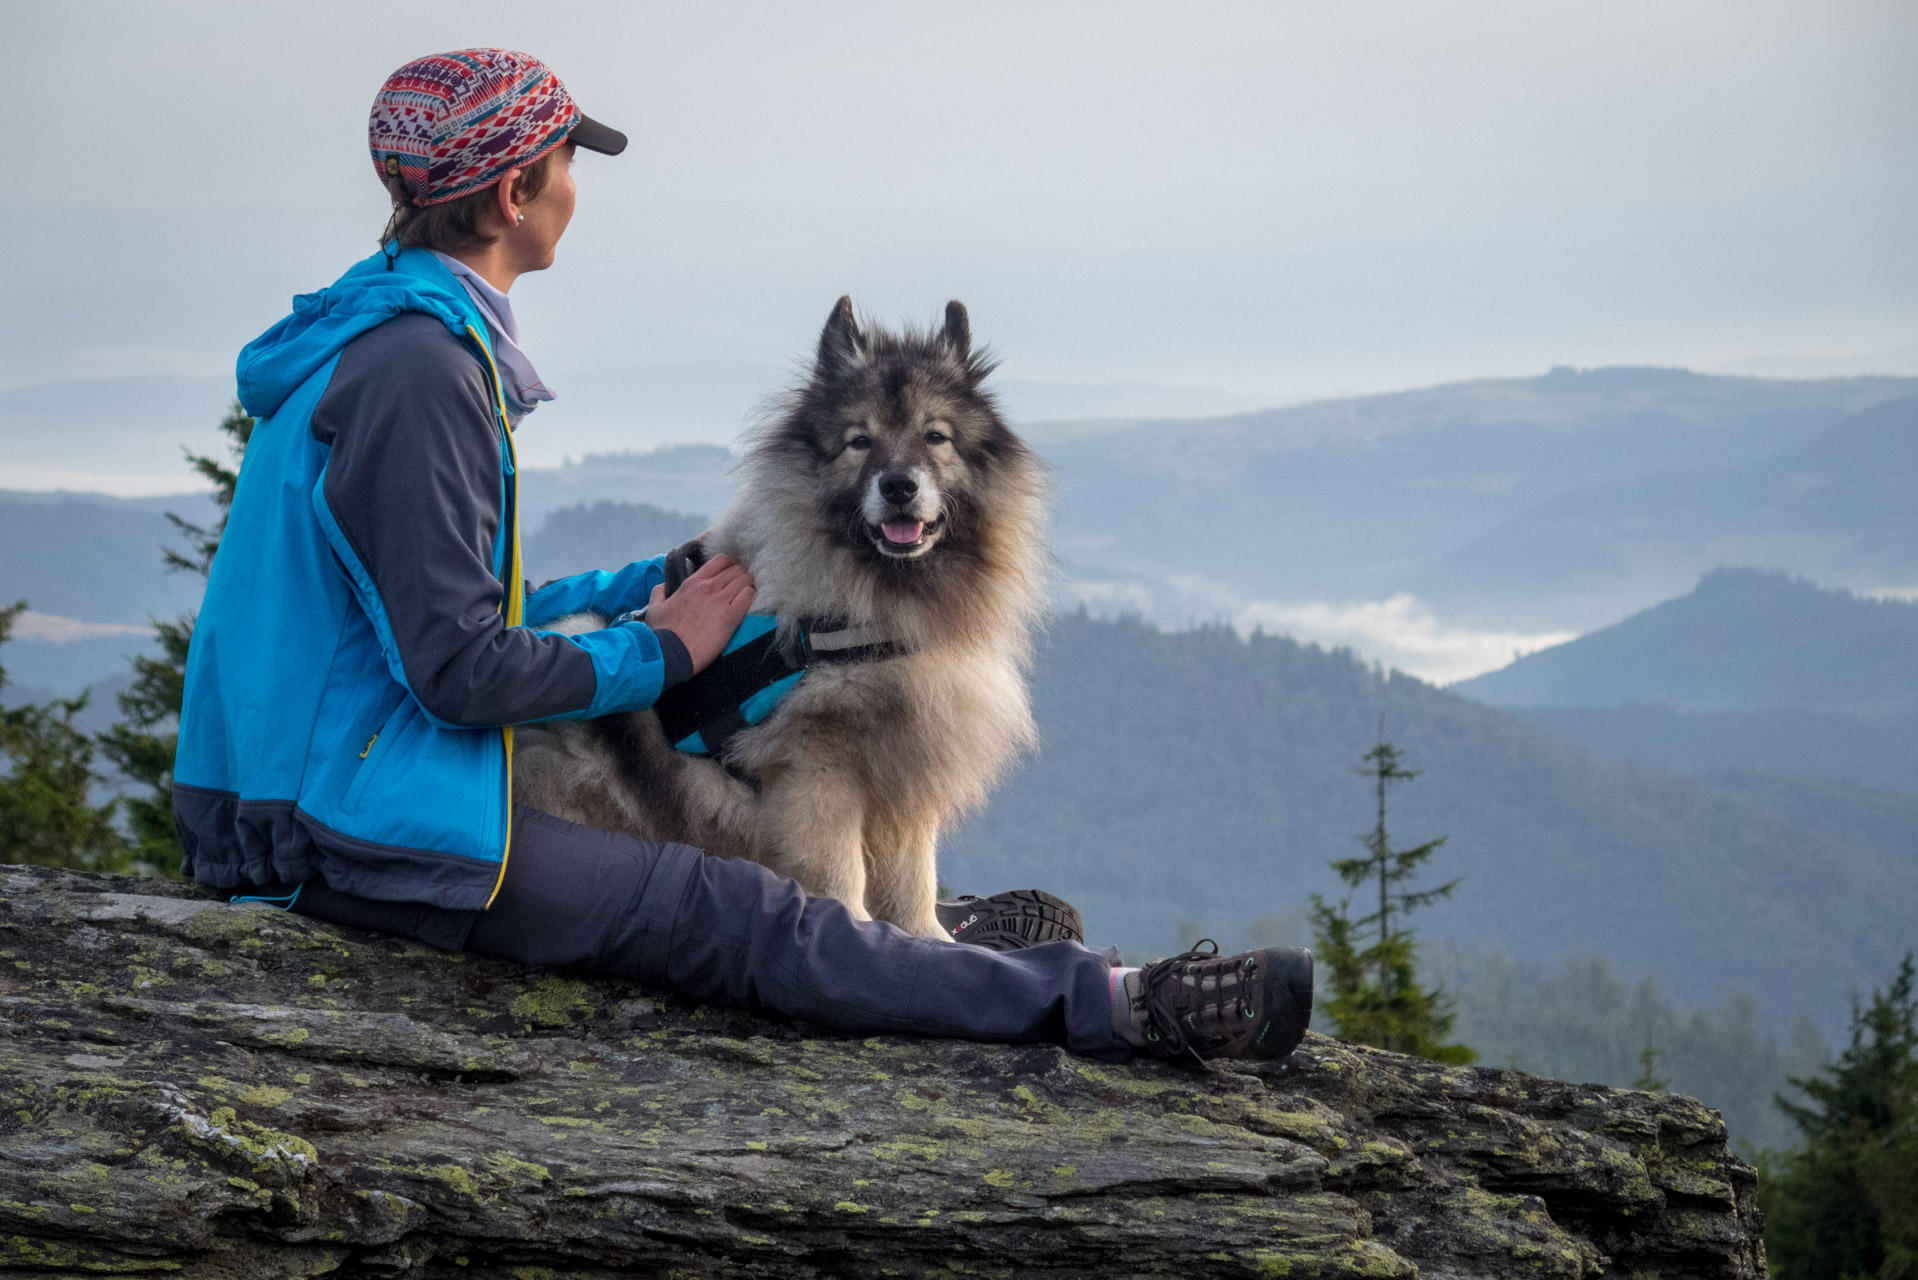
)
(201, 1090)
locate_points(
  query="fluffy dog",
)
(886, 493)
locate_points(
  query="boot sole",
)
(1288, 1003)
(1010, 921)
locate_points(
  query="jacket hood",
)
(274, 364)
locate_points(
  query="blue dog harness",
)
(756, 669)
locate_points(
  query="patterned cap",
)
(450, 124)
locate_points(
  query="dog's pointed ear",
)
(958, 331)
(841, 343)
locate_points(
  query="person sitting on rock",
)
(366, 646)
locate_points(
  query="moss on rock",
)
(208, 1091)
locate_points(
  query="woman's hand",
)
(706, 609)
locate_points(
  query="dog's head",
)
(905, 448)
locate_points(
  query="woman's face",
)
(535, 239)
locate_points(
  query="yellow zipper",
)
(514, 605)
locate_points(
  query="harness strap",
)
(875, 652)
(744, 683)
(702, 714)
(831, 642)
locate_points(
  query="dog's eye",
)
(937, 437)
(861, 443)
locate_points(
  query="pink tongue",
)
(902, 531)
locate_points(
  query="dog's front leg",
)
(809, 824)
(902, 868)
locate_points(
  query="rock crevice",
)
(201, 1090)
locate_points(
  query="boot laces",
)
(1215, 1009)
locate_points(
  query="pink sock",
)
(1121, 990)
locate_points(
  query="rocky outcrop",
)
(202, 1090)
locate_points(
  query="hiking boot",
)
(1009, 921)
(1205, 1005)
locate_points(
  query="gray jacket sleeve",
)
(414, 484)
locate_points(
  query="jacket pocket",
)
(375, 753)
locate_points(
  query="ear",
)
(958, 332)
(504, 204)
(840, 343)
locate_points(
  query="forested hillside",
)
(1872, 751)
(1203, 776)
(1583, 1022)
(1755, 679)
(603, 535)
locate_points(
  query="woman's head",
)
(479, 218)
(474, 148)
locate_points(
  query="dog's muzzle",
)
(901, 513)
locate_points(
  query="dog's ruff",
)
(887, 491)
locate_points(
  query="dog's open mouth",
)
(903, 537)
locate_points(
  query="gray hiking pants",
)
(735, 933)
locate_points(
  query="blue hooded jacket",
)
(362, 652)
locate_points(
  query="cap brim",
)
(594, 136)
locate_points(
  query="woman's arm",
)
(412, 498)
(608, 594)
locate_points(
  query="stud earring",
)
(520, 219)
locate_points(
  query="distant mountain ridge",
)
(1840, 507)
(1449, 494)
(684, 477)
(94, 557)
(1742, 640)
(1494, 513)
(1554, 503)
(97, 558)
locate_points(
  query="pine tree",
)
(142, 745)
(1374, 995)
(1648, 1078)
(1844, 1204)
(205, 540)
(47, 815)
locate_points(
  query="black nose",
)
(898, 488)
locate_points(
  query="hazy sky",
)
(1278, 199)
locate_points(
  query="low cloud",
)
(51, 628)
(1401, 633)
